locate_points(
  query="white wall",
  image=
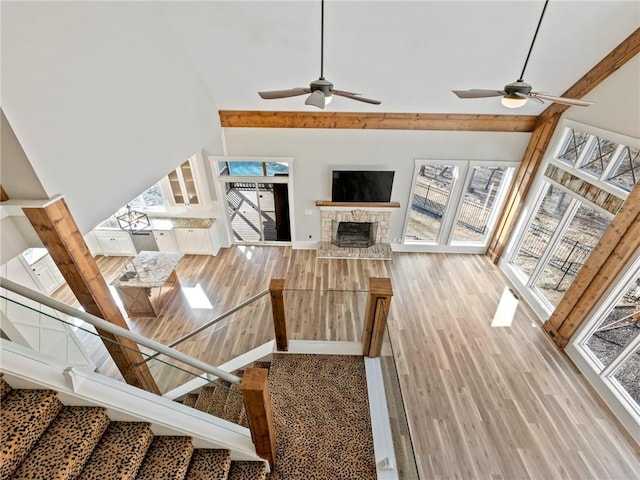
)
(316, 152)
(102, 98)
(16, 173)
(617, 106)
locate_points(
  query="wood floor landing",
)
(482, 402)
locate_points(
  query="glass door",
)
(256, 195)
(454, 204)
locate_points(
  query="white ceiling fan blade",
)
(478, 93)
(317, 99)
(355, 96)
(562, 100)
(292, 92)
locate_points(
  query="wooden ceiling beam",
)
(545, 127)
(378, 121)
(620, 55)
(59, 233)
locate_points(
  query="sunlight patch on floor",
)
(246, 250)
(506, 309)
(196, 297)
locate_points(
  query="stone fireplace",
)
(353, 234)
(348, 232)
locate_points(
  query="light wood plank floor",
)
(482, 402)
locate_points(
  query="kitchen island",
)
(148, 283)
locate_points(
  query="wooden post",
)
(257, 404)
(522, 182)
(376, 314)
(59, 232)
(545, 126)
(615, 249)
(276, 287)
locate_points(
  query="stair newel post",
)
(257, 404)
(276, 288)
(376, 314)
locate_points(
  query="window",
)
(585, 179)
(607, 348)
(627, 171)
(614, 163)
(149, 199)
(454, 203)
(573, 145)
(253, 168)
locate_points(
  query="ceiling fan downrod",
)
(520, 79)
(322, 40)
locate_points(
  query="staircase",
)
(42, 438)
(222, 399)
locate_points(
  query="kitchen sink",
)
(125, 277)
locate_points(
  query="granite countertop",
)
(153, 269)
(169, 223)
(162, 223)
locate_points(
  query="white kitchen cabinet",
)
(166, 240)
(183, 183)
(115, 242)
(47, 273)
(42, 269)
(195, 240)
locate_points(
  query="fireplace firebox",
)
(353, 234)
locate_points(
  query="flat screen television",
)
(362, 185)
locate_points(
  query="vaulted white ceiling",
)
(107, 97)
(409, 55)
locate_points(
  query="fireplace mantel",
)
(327, 203)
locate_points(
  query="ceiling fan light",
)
(327, 99)
(513, 101)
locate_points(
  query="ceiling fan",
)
(516, 94)
(321, 90)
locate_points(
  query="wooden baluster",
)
(376, 314)
(276, 287)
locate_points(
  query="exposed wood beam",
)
(59, 233)
(620, 55)
(616, 246)
(546, 124)
(527, 170)
(378, 121)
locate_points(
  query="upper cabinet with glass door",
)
(184, 188)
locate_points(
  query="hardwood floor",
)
(482, 402)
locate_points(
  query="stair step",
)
(119, 453)
(247, 471)
(243, 421)
(5, 388)
(234, 405)
(167, 458)
(209, 464)
(212, 399)
(266, 365)
(26, 414)
(190, 399)
(65, 446)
